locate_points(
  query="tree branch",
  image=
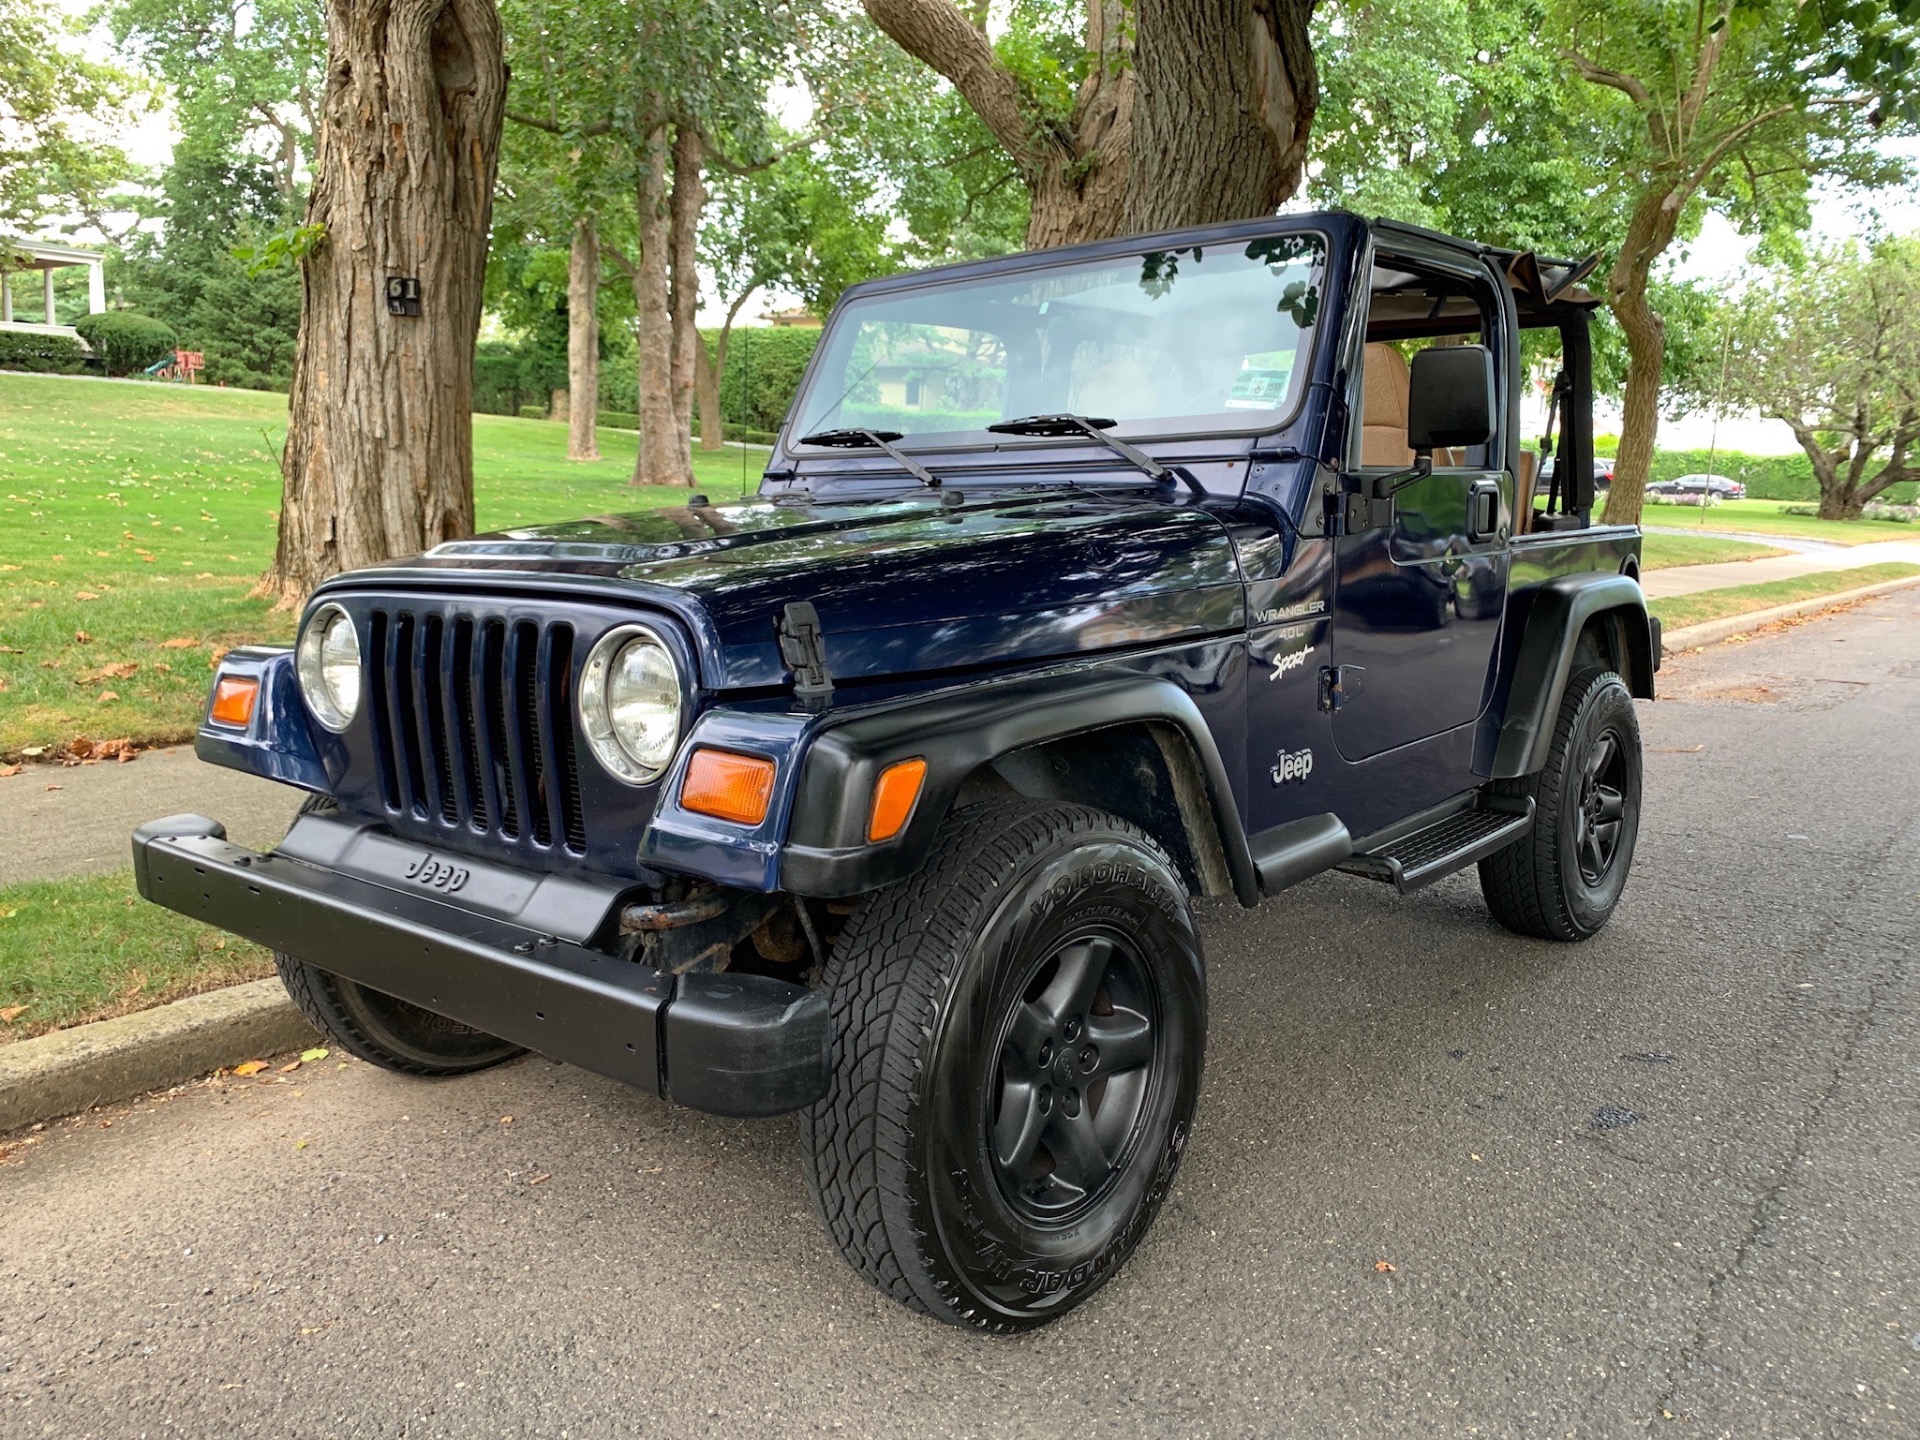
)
(935, 32)
(596, 127)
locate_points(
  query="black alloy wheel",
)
(1601, 816)
(1019, 1033)
(1076, 1065)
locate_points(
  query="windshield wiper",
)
(1096, 427)
(874, 440)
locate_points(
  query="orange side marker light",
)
(233, 699)
(894, 794)
(728, 786)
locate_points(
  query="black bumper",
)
(726, 1044)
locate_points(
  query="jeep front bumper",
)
(727, 1044)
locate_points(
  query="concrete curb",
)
(109, 1060)
(1710, 632)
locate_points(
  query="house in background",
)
(27, 266)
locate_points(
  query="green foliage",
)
(511, 375)
(764, 366)
(282, 250)
(214, 201)
(246, 75)
(47, 354)
(54, 104)
(126, 342)
(1767, 477)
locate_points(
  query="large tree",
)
(1830, 343)
(1734, 104)
(379, 453)
(1151, 114)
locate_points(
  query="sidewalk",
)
(1690, 579)
(75, 820)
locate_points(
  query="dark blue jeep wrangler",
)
(1079, 584)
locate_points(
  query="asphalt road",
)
(1671, 1172)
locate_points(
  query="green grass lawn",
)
(89, 948)
(134, 519)
(1705, 605)
(1764, 517)
(1661, 552)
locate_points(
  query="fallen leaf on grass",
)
(81, 637)
(179, 642)
(85, 595)
(1381, 1267)
(11, 650)
(10, 1013)
(106, 697)
(119, 670)
(250, 1067)
(319, 1052)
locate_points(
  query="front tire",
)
(1562, 880)
(1018, 1040)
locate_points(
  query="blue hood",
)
(909, 586)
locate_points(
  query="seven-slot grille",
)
(473, 726)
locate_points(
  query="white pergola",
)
(45, 258)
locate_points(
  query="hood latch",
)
(803, 650)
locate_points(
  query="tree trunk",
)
(706, 395)
(663, 457)
(1191, 112)
(689, 200)
(1649, 231)
(379, 454)
(583, 342)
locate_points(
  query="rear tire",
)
(378, 1028)
(1017, 1049)
(1562, 879)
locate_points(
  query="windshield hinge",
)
(803, 650)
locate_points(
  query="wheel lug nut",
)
(1089, 1057)
(1073, 1030)
(1046, 1053)
(1046, 1099)
(1071, 1104)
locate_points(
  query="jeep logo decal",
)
(430, 870)
(1291, 765)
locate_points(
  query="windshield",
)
(1167, 342)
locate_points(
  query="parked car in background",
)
(1718, 486)
(1602, 472)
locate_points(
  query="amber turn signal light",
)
(894, 794)
(233, 701)
(728, 786)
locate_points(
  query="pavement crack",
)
(1875, 881)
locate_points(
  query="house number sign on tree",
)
(403, 295)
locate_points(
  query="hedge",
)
(1767, 477)
(49, 354)
(126, 342)
(764, 365)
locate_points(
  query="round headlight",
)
(630, 704)
(329, 665)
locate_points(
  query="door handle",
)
(1483, 510)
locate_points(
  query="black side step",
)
(1290, 853)
(1451, 843)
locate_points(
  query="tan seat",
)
(1386, 386)
(1526, 473)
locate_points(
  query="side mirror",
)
(1450, 400)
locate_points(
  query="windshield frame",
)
(1313, 340)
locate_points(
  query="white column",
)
(96, 286)
(46, 283)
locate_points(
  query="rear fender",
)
(1562, 610)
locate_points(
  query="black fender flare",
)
(827, 853)
(1543, 662)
